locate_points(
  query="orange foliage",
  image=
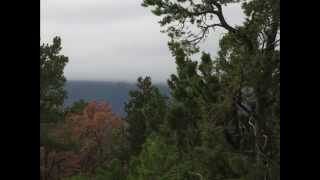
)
(96, 122)
(92, 131)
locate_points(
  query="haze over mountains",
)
(115, 93)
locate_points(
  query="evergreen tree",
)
(146, 110)
(52, 96)
(52, 81)
(156, 161)
(76, 107)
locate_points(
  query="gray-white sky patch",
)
(115, 40)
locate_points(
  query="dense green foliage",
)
(223, 118)
(225, 113)
(76, 107)
(52, 81)
(52, 93)
(146, 110)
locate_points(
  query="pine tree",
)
(146, 110)
(52, 96)
(52, 81)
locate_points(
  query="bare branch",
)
(253, 127)
(222, 20)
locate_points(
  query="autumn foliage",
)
(93, 129)
(87, 138)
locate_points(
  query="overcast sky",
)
(115, 40)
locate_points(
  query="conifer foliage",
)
(146, 111)
(52, 81)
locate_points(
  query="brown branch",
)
(222, 20)
(202, 35)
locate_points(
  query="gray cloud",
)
(113, 39)
(89, 12)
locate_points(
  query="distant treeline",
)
(116, 93)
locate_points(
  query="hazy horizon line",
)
(113, 81)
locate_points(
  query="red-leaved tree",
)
(85, 140)
(93, 130)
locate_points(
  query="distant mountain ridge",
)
(115, 93)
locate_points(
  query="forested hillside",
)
(116, 93)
